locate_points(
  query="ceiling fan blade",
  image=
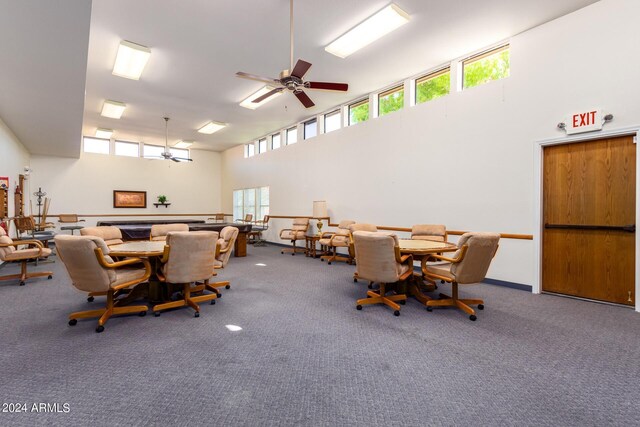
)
(300, 68)
(304, 98)
(268, 94)
(256, 78)
(181, 159)
(327, 86)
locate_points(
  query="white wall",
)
(465, 160)
(85, 185)
(13, 158)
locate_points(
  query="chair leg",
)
(293, 249)
(454, 301)
(187, 300)
(105, 313)
(380, 298)
(24, 274)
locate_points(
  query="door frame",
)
(538, 174)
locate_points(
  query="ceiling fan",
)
(166, 154)
(292, 79)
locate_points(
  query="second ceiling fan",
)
(293, 78)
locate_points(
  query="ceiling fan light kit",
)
(131, 60)
(167, 154)
(368, 31)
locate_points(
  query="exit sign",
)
(584, 121)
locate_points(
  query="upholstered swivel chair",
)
(378, 260)
(469, 264)
(110, 234)
(9, 252)
(362, 226)
(298, 231)
(227, 239)
(260, 226)
(159, 231)
(188, 257)
(337, 239)
(434, 232)
(92, 270)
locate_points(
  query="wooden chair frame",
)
(293, 249)
(24, 274)
(333, 250)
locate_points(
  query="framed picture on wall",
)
(129, 199)
(4, 182)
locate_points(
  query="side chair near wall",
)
(92, 270)
(227, 239)
(110, 234)
(72, 221)
(469, 264)
(435, 232)
(337, 239)
(260, 226)
(9, 252)
(298, 231)
(352, 252)
(379, 261)
(159, 231)
(188, 257)
(247, 219)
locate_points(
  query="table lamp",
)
(319, 211)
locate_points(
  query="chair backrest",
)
(227, 239)
(435, 232)
(159, 231)
(67, 218)
(343, 232)
(110, 234)
(78, 256)
(219, 217)
(24, 224)
(376, 256)
(248, 217)
(191, 256)
(481, 248)
(300, 224)
(361, 226)
(4, 238)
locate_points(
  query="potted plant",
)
(162, 199)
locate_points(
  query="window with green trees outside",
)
(359, 112)
(433, 85)
(485, 67)
(390, 100)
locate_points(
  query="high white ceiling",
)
(198, 45)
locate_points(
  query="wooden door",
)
(588, 247)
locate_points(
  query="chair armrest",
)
(463, 252)
(23, 242)
(165, 254)
(106, 264)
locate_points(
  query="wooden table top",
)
(425, 246)
(143, 248)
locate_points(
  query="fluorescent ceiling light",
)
(112, 109)
(211, 127)
(370, 30)
(104, 133)
(248, 103)
(183, 144)
(130, 60)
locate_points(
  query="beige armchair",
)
(378, 260)
(352, 252)
(227, 239)
(110, 234)
(435, 232)
(469, 264)
(188, 257)
(92, 270)
(159, 231)
(337, 239)
(9, 252)
(298, 231)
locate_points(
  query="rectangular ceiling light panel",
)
(368, 31)
(183, 144)
(130, 60)
(211, 127)
(248, 103)
(112, 109)
(103, 133)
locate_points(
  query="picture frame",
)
(4, 182)
(129, 199)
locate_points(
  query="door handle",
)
(631, 228)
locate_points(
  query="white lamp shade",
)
(320, 209)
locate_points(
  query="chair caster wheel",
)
(100, 329)
(328, 262)
(196, 314)
(293, 254)
(442, 281)
(396, 313)
(370, 286)
(358, 307)
(218, 295)
(480, 306)
(355, 280)
(429, 308)
(403, 302)
(473, 317)
(435, 286)
(212, 302)
(90, 299)
(73, 322)
(142, 313)
(282, 252)
(156, 313)
(21, 282)
(50, 276)
(227, 287)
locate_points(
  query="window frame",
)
(176, 152)
(293, 130)
(260, 145)
(391, 91)
(479, 57)
(337, 112)
(430, 76)
(355, 105)
(258, 209)
(93, 138)
(249, 150)
(144, 154)
(279, 135)
(117, 142)
(304, 128)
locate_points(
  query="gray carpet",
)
(305, 356)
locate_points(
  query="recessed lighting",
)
(233, 328)
(211, 127)
(248, 103)
(369, 30)
(183, 144)
(112, 109)
(103, 133)
(130, 60)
